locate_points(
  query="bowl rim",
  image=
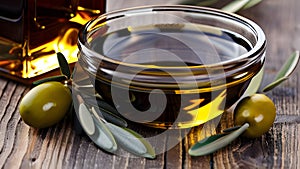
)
(257, 50)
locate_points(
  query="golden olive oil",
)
(171, 75)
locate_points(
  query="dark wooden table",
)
(61, 147)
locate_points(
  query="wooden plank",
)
(10, 154)
(196, 134)
(13, 134)
(61, 147)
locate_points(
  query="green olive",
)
(45, 104)
(258, 111)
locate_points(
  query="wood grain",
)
(62, 146)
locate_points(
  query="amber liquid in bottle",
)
(33, 31)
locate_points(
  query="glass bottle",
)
(33, 31)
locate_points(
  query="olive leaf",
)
(106, 111)
(286, 70)
(199, 3)
(96, 131)
(95, 127)
(207, 2)
(130, 140)
(63, 64)
(189, 2)
(235, 5)
(110, 117)
(150, 151)
(105, 139)
(215, 142)
(64, 69)
(251, 4)
(57, 78)
(127, 140)
(86, 119)
(231, 129)
(112, 134)
(205, 141)
(105, 106)
(274, 84)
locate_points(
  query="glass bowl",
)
(172, 66)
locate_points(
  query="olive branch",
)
(232, 6)
(113, 127)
